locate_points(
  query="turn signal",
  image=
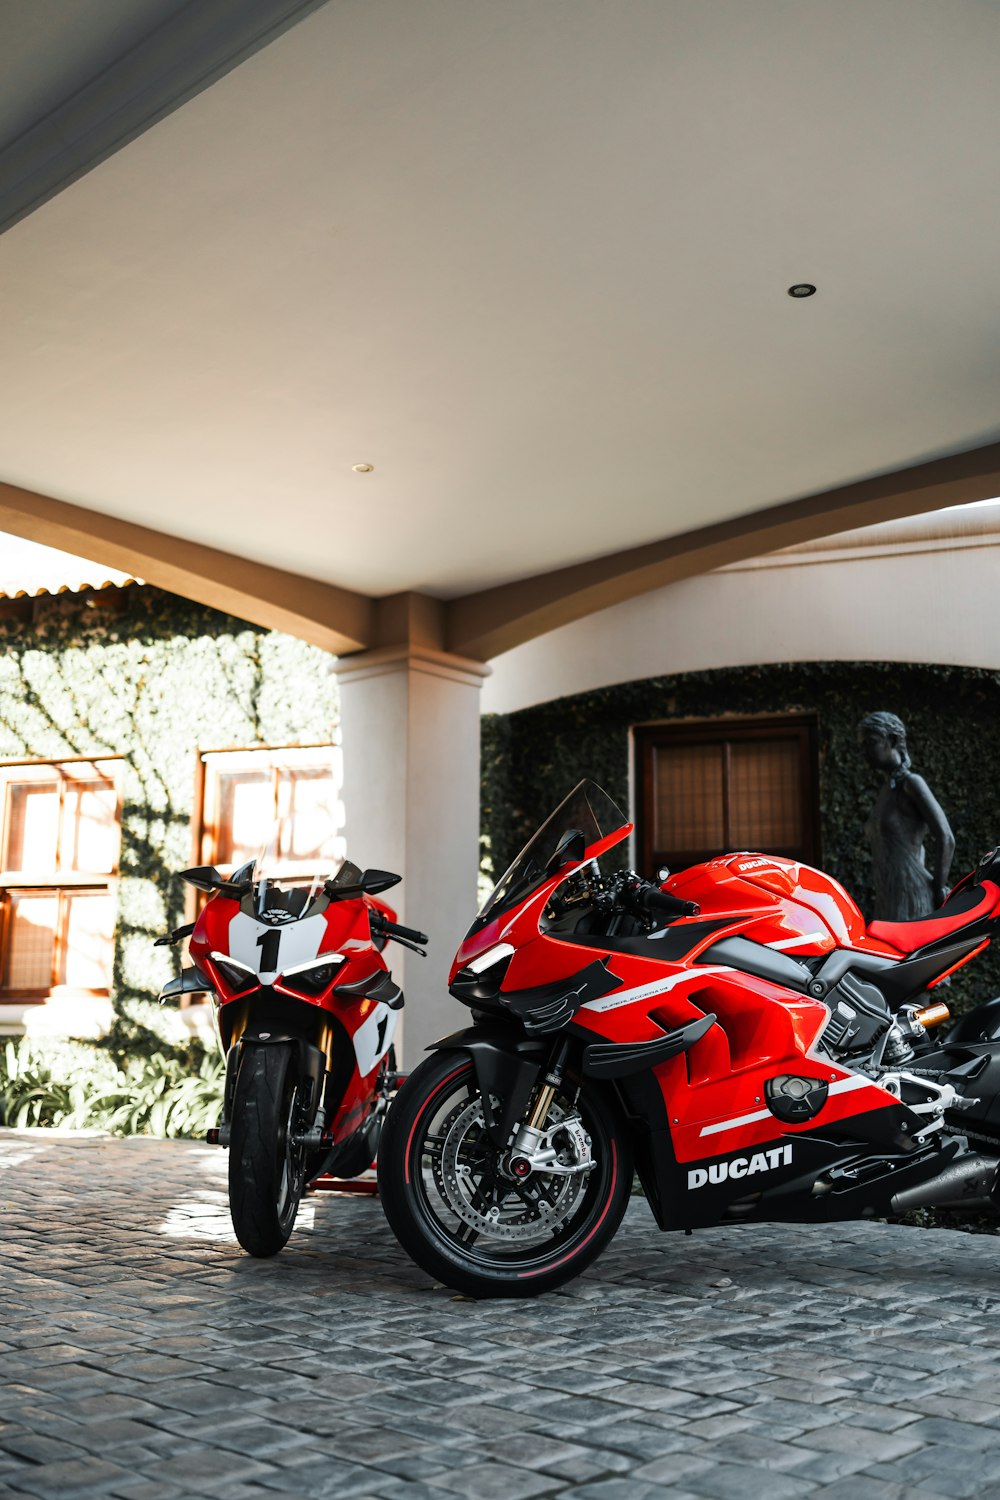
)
(932, 1016)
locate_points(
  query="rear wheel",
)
(461, 1213)
(266, 1168)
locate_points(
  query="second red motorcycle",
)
(306, 1012)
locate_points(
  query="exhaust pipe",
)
(970, 1182)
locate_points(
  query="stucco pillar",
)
(410, 726)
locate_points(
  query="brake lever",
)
(406, 944)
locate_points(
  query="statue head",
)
(882, 736)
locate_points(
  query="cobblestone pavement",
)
(147, 1358)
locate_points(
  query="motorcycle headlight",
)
(312, 981)
(479, 982)
(236, 976)
(314, 977)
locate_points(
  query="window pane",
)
(687, 798)
(309, 797)
(33, 835)
(90, 927)
(31, 942)
(90, 827)
(765, 791)
(246, 813)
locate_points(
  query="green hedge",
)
(532, 758)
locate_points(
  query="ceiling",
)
(528, 260)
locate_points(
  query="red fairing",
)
(714, 1094)
(227, 953)
(737, 1035)
(780, 902)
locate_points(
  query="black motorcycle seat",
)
(958, 911)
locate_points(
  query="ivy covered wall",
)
(531, 759)
(154, 678)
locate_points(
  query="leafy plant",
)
(79, 1086)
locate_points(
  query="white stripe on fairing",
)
(649, 991)
(799, 942)
(842, 1086)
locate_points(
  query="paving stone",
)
(38, 1449)
(723, 1481)
(151, 1360)
(69, 1478)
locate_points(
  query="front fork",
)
(314, 1064)
(533, 1148)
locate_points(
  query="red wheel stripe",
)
(522, 1275)
(427, 1103)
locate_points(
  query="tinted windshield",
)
(293, 866)
(587, 816)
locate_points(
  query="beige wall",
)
(911, 596)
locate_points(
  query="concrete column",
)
(410, 725)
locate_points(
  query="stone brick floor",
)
(147, 1358)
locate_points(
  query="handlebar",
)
(396, 929)
(650, 898)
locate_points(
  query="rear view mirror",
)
(572, 848)
(203, 878)
(207, 878)
(368, 883)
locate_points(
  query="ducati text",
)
(741, 1166)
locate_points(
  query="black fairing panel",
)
(973, 1069)
(754, 958)
(547, 1008)
(507, 1065)
(669, 944)
(798, 1178)
(618, 1059)
(980, 1025)
(912, 975)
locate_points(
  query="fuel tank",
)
(775, 901)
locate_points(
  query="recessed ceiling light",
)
(802, 289)
(362, 468)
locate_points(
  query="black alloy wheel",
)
(266, 1169)
(465, 1218)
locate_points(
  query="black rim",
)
(479, 1215)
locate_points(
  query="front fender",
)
(507, 1066)
(312, 1068)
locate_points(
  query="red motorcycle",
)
(306, 1011)
(737, 1034)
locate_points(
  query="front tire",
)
(266, 1169)
(466, 1222)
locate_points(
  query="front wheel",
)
(266, 1168)
(465, 1218)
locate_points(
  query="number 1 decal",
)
(268, 944)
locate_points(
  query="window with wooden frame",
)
(59, 847)
(709, 788)
(246, 793)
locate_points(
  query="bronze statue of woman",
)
(905, 811)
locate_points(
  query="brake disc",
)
(468, 1155)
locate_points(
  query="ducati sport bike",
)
(737, 1034)
(306, 1012)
